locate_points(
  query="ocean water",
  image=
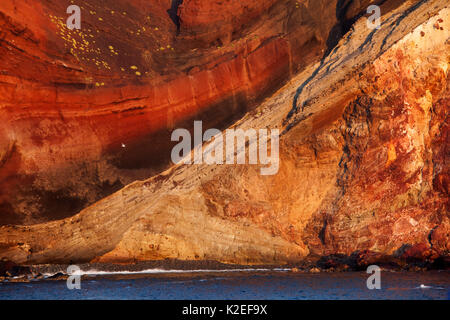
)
(237, 285)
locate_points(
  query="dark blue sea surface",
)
(238, 285)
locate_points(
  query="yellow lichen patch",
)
(391, 154)
(298, 3)
(156, 28)
(138, 73)
(133, 67)
(100, 19)
(75, 40)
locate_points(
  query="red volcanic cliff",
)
(363, 151)
(85, 112)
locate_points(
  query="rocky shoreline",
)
(11, 272)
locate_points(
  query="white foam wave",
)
(159, 271)
(422, 286)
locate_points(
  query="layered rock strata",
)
(363, 168)
(86, 112)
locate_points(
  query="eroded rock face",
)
(87, 112)
(363, 168)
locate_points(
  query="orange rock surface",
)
(363, 153)
(71, 99)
